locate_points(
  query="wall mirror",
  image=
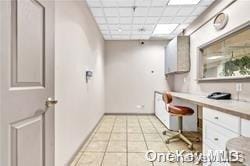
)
(228, 57)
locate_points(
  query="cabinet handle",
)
(216, 139)
(216, 117)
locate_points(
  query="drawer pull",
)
(216, 139)
(216, 117)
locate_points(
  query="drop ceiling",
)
(137, 19)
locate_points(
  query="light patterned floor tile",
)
(90, 159)
(138, 159)
(157, 146)
(115, 159)
(101, 137)
(117, 146)
(135, 137)
(137, 147)
(76, 159)
(97, 146)
(118, 137)
(153, 137)
(134, 130)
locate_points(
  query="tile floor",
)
(123, 140)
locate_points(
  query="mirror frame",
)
(200, 63)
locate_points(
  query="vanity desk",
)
(222, 119)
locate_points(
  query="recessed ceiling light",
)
(183, 2)
(164, 29)
(119, 30)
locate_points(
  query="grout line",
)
(108, 140)
(79, 158)
(144, 137)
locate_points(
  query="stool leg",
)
(180, 135)
(180, 125)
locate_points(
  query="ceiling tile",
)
(125, 20)
(199, 10)
(178, 20)
(135, 37)
(111, 11)
(145, 37)
(137, 27)
(171, 11)
(103, 27)
(137, 32)
(141, 11)
(152, 20)
(155, 11)
(120, 37)
(166, 20)
(139, 20)
(100, 20)
(109, 3)
(97, 12)
(149, 27)
(94, 3)
(125, 32)
(112, 15)
(142, 3)
(159, 3)
(113, 20)
(185, 11)
(105, 32)
(189, 19)
(114, 27)
(125, 3)
(125, 11)
(126, 27)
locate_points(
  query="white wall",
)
(238, 14)
(78, 46)
(128, 78)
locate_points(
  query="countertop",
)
(233, 107)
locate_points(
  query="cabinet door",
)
(171, 57)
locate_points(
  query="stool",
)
(240, 144)
(180, 112)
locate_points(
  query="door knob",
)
(50, 102)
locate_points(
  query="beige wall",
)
(78, 46)
(129, 80)
(238, 14)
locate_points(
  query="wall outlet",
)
(238, 87)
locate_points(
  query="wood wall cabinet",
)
(177, 55)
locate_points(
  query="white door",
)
(27, 81)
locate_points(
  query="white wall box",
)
(177, 55)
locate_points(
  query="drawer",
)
(225, 120)
(217, 136)
(245, 127)
(207, 149)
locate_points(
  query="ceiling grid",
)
(137, 19)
